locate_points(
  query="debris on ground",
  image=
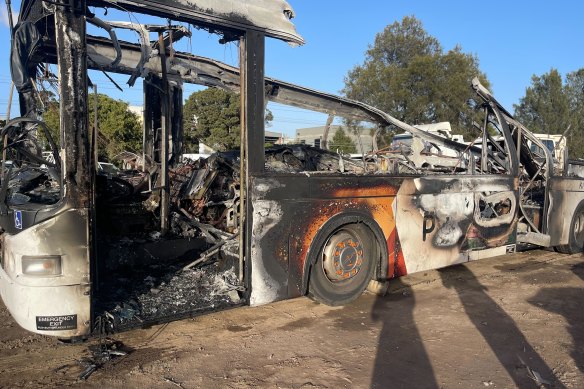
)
(106, 351)
(534, 375)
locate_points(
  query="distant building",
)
(138, 111)
(313, 136)
(277, 138)
(272, 137)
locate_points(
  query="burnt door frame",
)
(78, 167)
(252, 54)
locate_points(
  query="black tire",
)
(576, 239)
(346, 260)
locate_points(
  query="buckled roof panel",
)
(273, 17)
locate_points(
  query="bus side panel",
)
(50, 305)
(442, 220)
(565, 195)
(288, 213)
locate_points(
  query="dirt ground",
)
(496, 323)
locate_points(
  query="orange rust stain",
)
(397, 263)
(380, 209)
(378, 191)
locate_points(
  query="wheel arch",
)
(338, 220)
(569, 247)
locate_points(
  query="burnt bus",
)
(90, 250)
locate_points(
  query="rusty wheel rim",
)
(343, 255)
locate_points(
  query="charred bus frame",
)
(325, 228)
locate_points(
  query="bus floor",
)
(146, 282)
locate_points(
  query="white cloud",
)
(4, 16)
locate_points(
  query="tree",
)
(575, 91)
(51, 119)
(407, 74)
(544, 108)
(550, 106)
(342, 143)
(212, 116)
(119, 127)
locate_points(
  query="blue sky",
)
(512, 39)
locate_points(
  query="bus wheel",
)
(576, 241)
(345, 265)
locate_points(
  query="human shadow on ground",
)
(501, 333)
(401, 360)
(568, 303)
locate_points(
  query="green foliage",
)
(575, 91)
(269, 116)
(212, 116)
(51, 119)
(407, 74)
(545, 104)
(342, 143)
(550, 106)
(119, 128)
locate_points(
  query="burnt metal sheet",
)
(270, 17)
(297, 207)
(565, 194)
(441, 219)
(212, 73)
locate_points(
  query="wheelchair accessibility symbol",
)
(18, 219)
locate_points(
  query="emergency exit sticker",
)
(56, 323)
(18, 219)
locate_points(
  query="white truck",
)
(426, 154)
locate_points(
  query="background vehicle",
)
(108, 169)
(424, 153)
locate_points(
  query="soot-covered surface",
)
(141, 289)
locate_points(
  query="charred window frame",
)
(37, 183)
(497, 156)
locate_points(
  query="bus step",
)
(534, 238)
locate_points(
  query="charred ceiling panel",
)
(271, 17)
(208, 72)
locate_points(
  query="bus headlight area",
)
(60, 310)
(41, 266)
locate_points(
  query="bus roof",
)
(272, 17)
